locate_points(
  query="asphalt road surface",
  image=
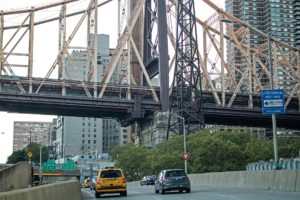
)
(197, 193)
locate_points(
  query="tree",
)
(131, 159)
(21, 155)
(17, 156)
(289, 147)
(209, 152)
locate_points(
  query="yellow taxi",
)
(110, 180)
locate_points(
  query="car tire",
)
(163, 191)
(97, 194)
(124, 194)
(188, 190)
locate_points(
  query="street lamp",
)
(274, 125)
(184, 140)
(40, 169)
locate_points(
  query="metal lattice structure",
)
(186, 96)
(224, 82)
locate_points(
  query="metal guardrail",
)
(284, 165)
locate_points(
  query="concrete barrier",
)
(69, 190)
(15, 177)
(284, 180)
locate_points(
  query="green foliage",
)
(209, 152)
(289, 147)
(131, 159)
(21, 155)
(17, 156)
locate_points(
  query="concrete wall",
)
(69, 190)
(284, 180)
(15, 177)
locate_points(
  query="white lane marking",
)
(91, 195)
(157, 198)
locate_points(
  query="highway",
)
(198, 193)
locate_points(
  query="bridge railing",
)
(284, 165)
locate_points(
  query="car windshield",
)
(175, 173)
(111, 174)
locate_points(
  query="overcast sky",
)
(45, 50)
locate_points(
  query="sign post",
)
(186, 156)
(273, 103)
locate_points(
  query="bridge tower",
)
(186, 96)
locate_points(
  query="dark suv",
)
(148, 180)
(172, 179)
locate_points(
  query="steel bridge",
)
(231, 90)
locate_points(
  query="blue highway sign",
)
(273, 101)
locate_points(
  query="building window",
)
(82, 135)
(94, 141)
(89, 141)
(83, 124)
(83, 141)
(94, 135)
(89, 135)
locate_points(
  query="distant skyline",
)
(105, 26)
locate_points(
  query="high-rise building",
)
(29, 132)
(273, 17)
(297, 23)
(52, 138)
(77, 135)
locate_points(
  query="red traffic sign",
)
(186, 156)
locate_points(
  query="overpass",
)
(114, 104)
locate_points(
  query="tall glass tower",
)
(273, 17)
(297, 23)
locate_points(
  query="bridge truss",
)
(137, 62)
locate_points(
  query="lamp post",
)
(184, 140)
(40, 169)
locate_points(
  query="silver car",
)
(172, 179)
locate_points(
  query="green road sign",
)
(49, 165)
(70, 165)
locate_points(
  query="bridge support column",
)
(61, 46)
(1, 46)
(152, 132)
(30, 60)
(163, 55)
